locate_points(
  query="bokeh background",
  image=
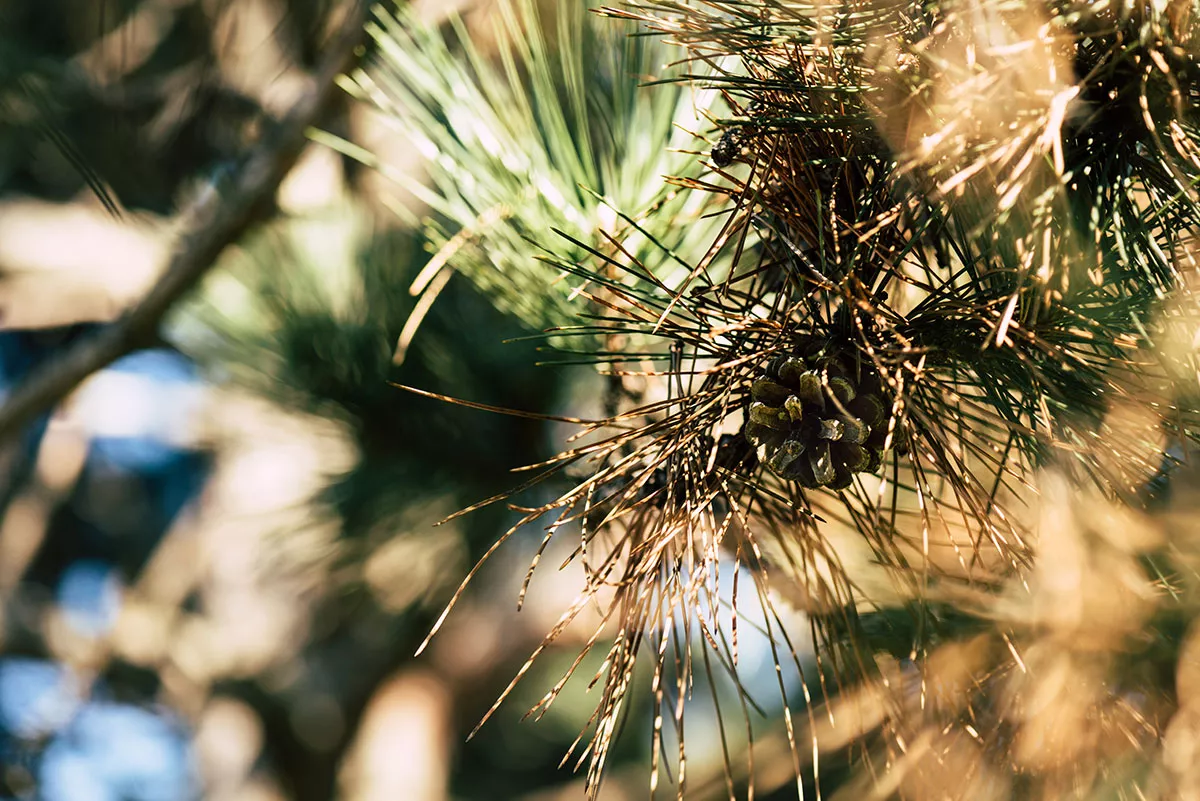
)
(218, 557)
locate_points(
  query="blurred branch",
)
(129, 45)
(217, 219)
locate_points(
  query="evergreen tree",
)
(938, 287)
(892, 304)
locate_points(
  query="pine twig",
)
(215, 220)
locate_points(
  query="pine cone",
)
(818, 420)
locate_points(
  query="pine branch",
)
(216, 219)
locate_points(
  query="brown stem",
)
(214, 221)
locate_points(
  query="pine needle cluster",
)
(951, 274)
(551, 132)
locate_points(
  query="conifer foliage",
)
(950, 270)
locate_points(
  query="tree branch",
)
(216, 220)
